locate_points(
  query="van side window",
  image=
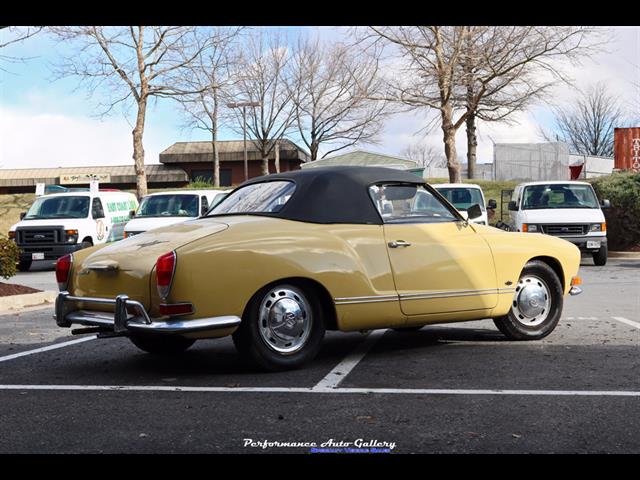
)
(96, 208)
(204, 205)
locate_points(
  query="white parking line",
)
(627, 321)
(340, 371)
(366, 391)
(46, 349)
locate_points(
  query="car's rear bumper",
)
(123, 322)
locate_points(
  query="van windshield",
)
(462, 198)
(559, 196)
(59, 207)
(170, 205)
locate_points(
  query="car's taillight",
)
(165, 267)
(63, 270)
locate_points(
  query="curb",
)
(629, 255)
(17, 302)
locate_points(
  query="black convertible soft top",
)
(335, 194)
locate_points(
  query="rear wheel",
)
(282, 328)
(600, 257)
(24, 265)
(537, 304)
(161, 344)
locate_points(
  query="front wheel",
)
(536, 306)
(24, 265)
(161, 344)
(282, 328)
(600, 257)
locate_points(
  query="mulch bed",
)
(7, 289)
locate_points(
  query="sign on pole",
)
(39, 189)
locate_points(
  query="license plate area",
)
(593, 243)
(37, 256)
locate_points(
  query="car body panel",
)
(223, 261)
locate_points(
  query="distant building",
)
(196, 159)
(179, 164)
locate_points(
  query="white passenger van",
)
(166, 208)
(569, 210)
(60, 223)
(463, 196)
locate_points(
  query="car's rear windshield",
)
(462, 198)
(559, 196)
(169, 205)
(67, 206)
(266, 197)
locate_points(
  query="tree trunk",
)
(277, 160)
(313, 151)
(214, 141)
(265, 164)
(472, 145)
(450, 151)
(138, 149)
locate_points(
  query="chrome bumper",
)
(122, 322)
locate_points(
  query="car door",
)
(440, 264)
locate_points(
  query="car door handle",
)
(399, 243)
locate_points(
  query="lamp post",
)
(244, 106)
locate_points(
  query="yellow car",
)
(285, 257)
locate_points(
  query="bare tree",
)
(587, 124)
(263, 77)
(211, 75)
(424, 155)
(460, 71)
(331, 91)
(12, 35)
(133, 62)
(507, 68)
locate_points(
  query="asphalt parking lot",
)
(457, 388)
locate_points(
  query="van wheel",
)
(282, 328)
(600, 257)
(161, 344)
(537, 304)
(24, 265)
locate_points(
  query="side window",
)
(204, 205)
(96, 208)
(404, 203)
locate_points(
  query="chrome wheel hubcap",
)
(532, 301)
(285, 319)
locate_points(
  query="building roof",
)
(228, 150)
(363, 158)
(118, 173)
(334, 194)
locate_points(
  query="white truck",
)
(61, 223)
(463, 196)
(565, 209)
(165, 208)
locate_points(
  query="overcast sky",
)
(46, 123)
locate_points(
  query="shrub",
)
(623, 218)
(9, 256)
(200, 183)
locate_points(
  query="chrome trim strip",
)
(423, 295)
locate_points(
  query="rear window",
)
(266, 197)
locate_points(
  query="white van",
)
(166, 208)
(569, 210)
(464, 195)
(60, 223)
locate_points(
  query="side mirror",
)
(474, 211)
(132, 213)
(606, 203)
(22, 215)
(204, 209)
(513, 206)
(492, 204)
